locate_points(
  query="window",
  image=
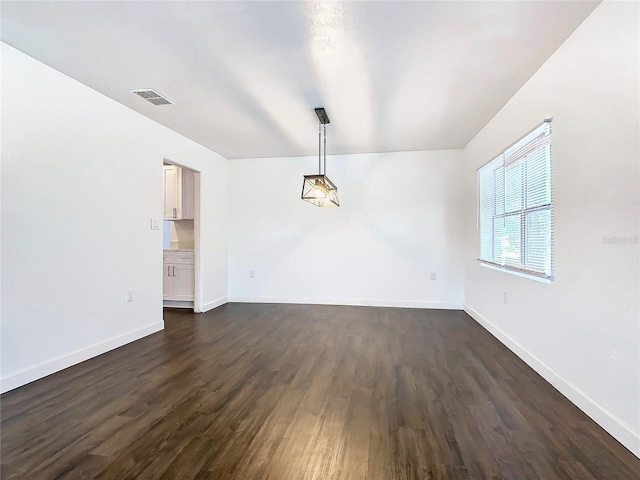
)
(515, 210)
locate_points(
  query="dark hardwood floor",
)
(299, 392)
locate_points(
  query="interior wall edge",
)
(622, 432)
(36, 372)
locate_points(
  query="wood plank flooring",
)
(300, 392)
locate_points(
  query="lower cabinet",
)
(179, 276)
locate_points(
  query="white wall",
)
(581, 332)
(395, 225)
(81, 180)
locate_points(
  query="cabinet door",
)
(172, 192)
(167, 282)
(183, 282)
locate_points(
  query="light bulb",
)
(320, 190)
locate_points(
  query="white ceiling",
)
(245, 76)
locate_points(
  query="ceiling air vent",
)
(152, 96)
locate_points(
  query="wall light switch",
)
(155, 224)
(252, 274)
(434, 276)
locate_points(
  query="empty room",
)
(313, 240)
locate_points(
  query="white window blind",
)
(515, 210)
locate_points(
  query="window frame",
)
(502, 161)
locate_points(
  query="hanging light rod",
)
(318, 189)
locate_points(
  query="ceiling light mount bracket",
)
(323, 118)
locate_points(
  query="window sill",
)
(517, 274)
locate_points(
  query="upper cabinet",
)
(178, 193)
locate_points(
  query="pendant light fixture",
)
(318, 189)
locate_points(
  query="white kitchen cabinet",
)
(178, 282)
(178, 193)
(183, 282)
(178, 276)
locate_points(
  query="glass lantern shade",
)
(320, 191)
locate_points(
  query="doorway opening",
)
(181, 237)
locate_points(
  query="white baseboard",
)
(43, 369)
(616, 428)
(177, 304)
(363, 302)
(214, 303)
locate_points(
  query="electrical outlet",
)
(252, 274)
(434, 276)
(130, 296)
(505, 296)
